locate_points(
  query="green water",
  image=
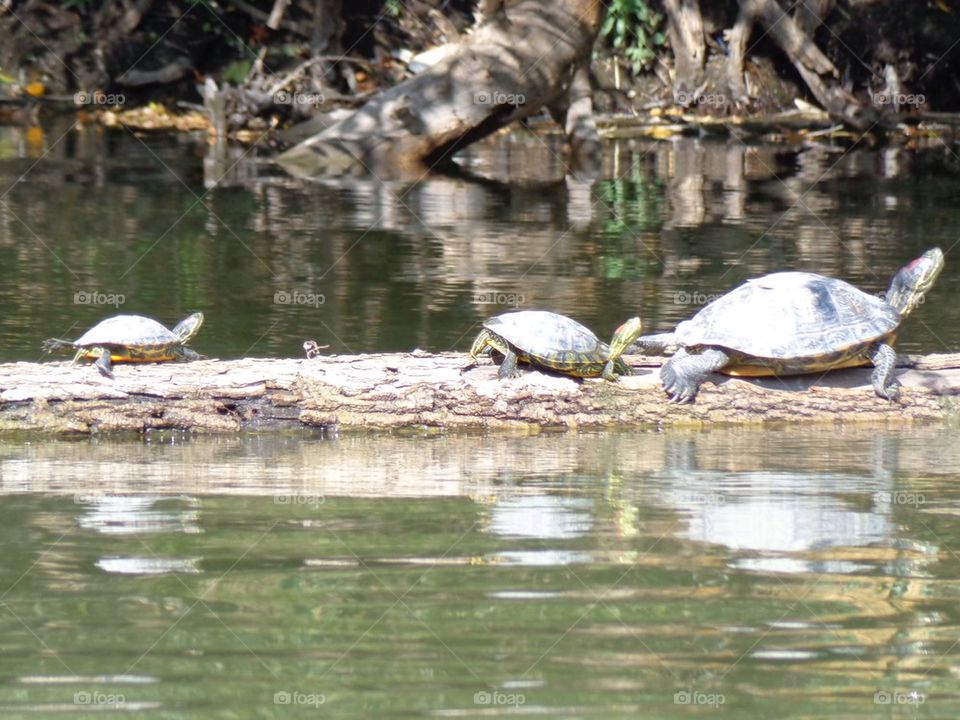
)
(743, 573)
(595, 575)
(92, 224)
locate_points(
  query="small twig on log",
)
(256, 69)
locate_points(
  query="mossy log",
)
(438, 391)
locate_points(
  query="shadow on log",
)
(517, 62)
(422, 390)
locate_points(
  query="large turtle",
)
(131, 338)
(793, 323)
(555, 342)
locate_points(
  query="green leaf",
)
(236, 72)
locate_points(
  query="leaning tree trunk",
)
(515, 63)
(794, 34)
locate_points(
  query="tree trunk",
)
(685, 29)
(511, 66)
(574, 111)
(794, 36)
(421, 390)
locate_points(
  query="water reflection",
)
(790, 520)
(595, 574)
(147, 565)
(784, 526)
(395, 265)
(544, 517)
(134, 514)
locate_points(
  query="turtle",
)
(794, 323)
(131, 338)
(555, 342)
(312, 348)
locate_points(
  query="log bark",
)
(422, 390)
(511, 66)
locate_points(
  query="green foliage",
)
(236, 72)
(393, 7)
(634, 28)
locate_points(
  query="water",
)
(785, 572)
(91, 224)
(593, 575)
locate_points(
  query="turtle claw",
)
(677, 391)
(891, 392)
(106, 372)
(680, 393)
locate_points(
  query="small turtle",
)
(555, 342)
(793, 323)
(131, 338)
(312, 348)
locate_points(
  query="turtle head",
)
(913, 281)
(624, 336)
(188, 327)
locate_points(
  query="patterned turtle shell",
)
(549, 339)
(135, 337)
(792, 316)
(128, 331)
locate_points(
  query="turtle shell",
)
(128, 331)
(548, 338)
(791, 315)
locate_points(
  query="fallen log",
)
(438, 391)
(515, 63)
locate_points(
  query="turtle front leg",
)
(614, 366)
(624, 336)
(682, 374)
(508, 368)
(884, 359)
(487, 342)
(188, 354)
(104, 363)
